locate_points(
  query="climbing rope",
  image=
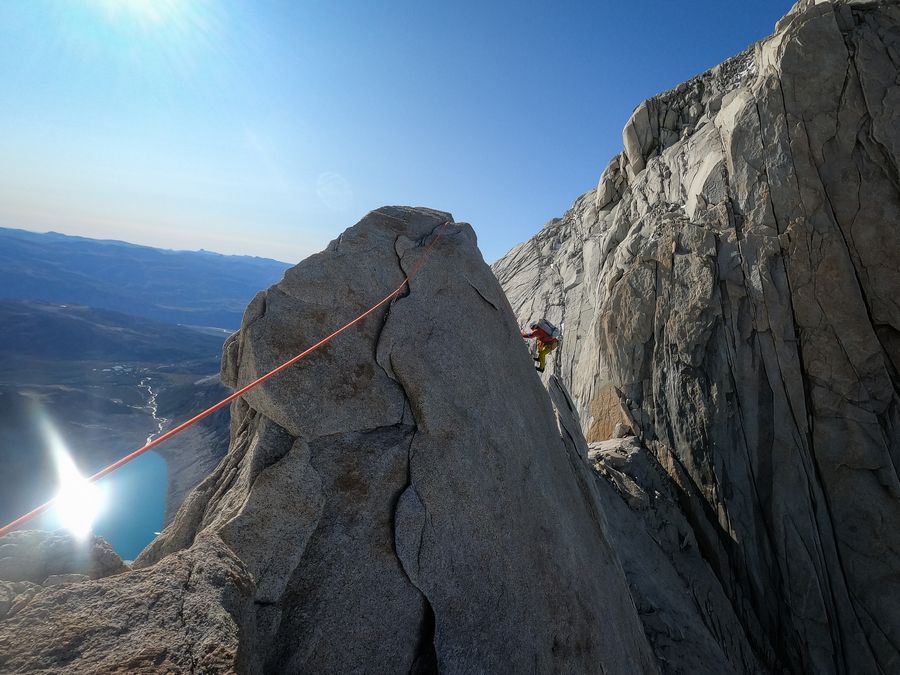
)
(438, 233)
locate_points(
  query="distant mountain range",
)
(92, 372)
(34, 329)
(185, 287)
(112, 342)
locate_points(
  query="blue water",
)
(134, 505)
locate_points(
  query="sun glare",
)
(78, 502)
(156, 11)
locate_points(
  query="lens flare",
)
(79, 501)
(139, 43)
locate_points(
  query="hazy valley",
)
(105, 380)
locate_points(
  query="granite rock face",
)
(731, 291)
(185, 615)
(686, 615)
(402, 501)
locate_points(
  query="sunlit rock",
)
(734, 280)
(402, 501)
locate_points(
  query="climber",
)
(548, 338)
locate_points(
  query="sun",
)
(155, 41)
(144, 11)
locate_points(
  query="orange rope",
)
(243, 390)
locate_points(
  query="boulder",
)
(622, 430)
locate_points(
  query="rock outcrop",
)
(185, 615)
(32, 559)
(730, 291)
(35, 556)
(402, 501)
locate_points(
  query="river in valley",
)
(134, 496)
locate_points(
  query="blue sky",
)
(266, 127)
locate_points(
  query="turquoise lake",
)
(134, 505)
